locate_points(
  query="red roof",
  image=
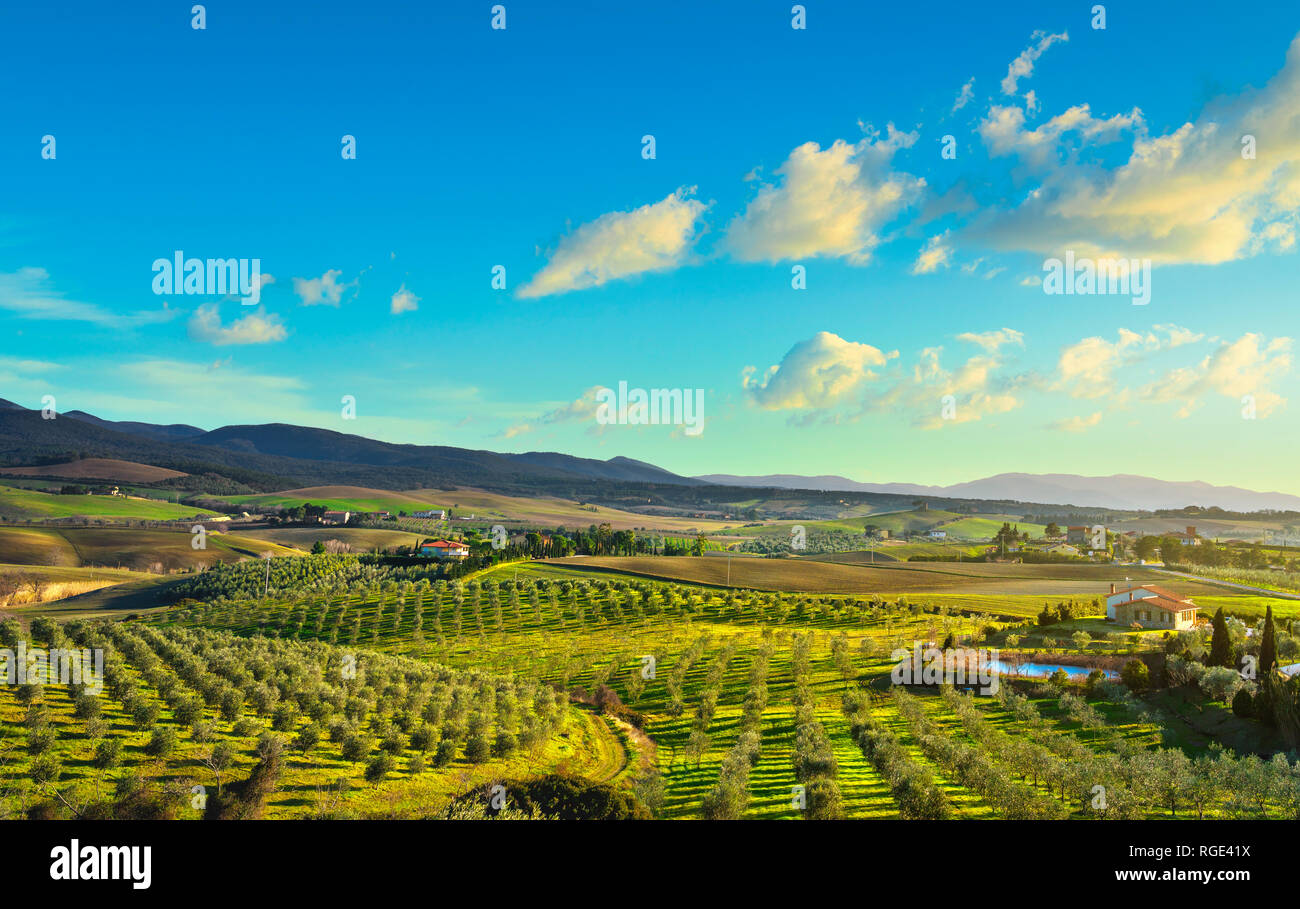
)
(1160, 593)
(1164, 603)
(442, 544)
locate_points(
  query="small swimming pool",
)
(1075, 673)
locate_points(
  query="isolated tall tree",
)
(1268, 644)
(1220, 646)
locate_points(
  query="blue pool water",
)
(1079, 673)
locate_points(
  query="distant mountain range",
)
(272, 456)
(1120, 491)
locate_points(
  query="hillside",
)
(29, 504)
(1120, 491)
(98, 469)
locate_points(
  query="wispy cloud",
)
(252, 328)
(30, 293)
(1023, 66)
(1187, 196)
(620, 244)
(1076, 424)
(584, 408)
(935, 254)
(325, 290)
(965, 95)
(992, 340)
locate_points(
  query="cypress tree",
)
(1268, 646)
(1220, 646)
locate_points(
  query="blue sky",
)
(775, 147)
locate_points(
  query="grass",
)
(483, 506)
(29, 504)
(582, 640)
(957, 526)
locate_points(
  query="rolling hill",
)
(98, 469)
(29, 504)
(1120, 491)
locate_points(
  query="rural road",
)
(1280, 594)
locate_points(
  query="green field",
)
(586, 626)
(28, 504)
(958, 527)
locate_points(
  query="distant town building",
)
(1061, 549)
(937, 534)
(438, 514)
(336, 517)
(1188, 538)
(1076, 534)
(1151, 607)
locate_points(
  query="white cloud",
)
(584, 408)
(816, 373)
(253, 328)
(976, 389)
(620, 244)
(1004, 132)
(1077, 424)
(324, 290)
(830, 202)
(964, 98)
(30, 293)
(992, 340)
(404, 301)
(1246, 366)
(935, 254)
(1023, 66)
(1184, 197)
(1087, 368)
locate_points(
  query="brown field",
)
(99, 469)
(121, 547)
(361, 539)
(553, 512)
(974, 578)
(28, 584)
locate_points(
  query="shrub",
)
(1136, 675)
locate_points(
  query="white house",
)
(937, 534)
(1151, 607)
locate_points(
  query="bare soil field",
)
(99, 469)
(887, 579)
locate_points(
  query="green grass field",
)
(28, 504)
(587, 625)
(958, 527)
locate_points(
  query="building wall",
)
(1150, 617)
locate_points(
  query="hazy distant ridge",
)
(1124, 491)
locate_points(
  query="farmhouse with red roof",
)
(1151, 607)
(444, 549)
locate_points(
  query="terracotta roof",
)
(1160, 592)
(443, 544)
(1161, 603)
